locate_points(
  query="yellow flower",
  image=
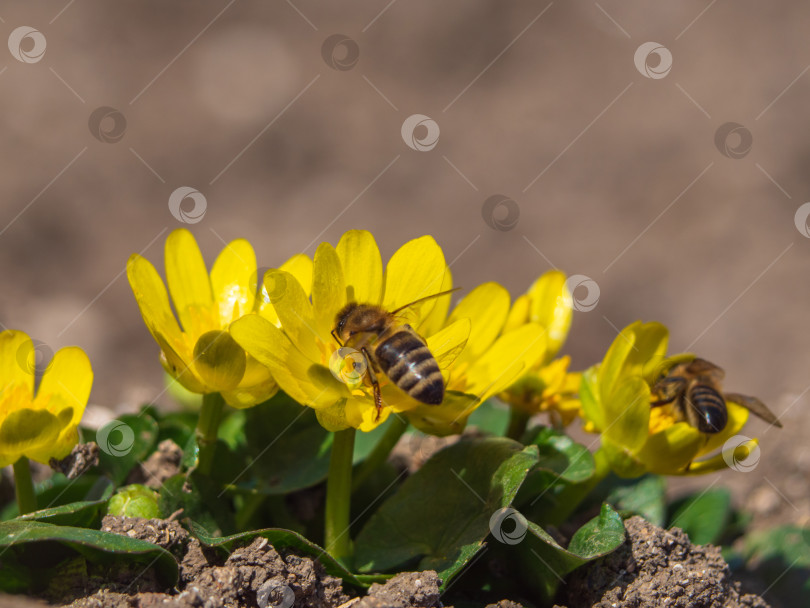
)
(44, 426)
(496, 354)
(548, 386)
(637, 438)
(293, 337)
(199, 352)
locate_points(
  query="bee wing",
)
(706, 368)
(755, 406)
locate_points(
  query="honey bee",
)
(391, 348)
(695, 391)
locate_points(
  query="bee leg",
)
(375, 385)
(334, 335)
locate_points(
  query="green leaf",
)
(441, 515)
(288, 449)
(33, 546)
(83, 514)
(55, 491)
(125, 442)
(491, 417)
(543, 563)
(780, 558)
(284, 539)
(703, 516)
(201, 499)
(644, 496)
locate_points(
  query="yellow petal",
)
(219, 361)
(17, 367)
(290, 368)
(737, 417)
(518, 314)
(622, 462)
(27, 432)
(506, 360)
(362, 414)
(415, 271)
(449, 343)
(67, 382)
(449, 418)
(294, 310)
(735, 456)
(300, 266)
(627, 413)
(333, 417)
(328, 288)
(612, 365)
(487, 307)
(551, 307)
(233, 280)
(189, 284)
(671, 450)
(362, 267)
(153, 301)
(590, 396)
(435, 319)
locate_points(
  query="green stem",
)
(207, 427)
(338, 496)
(250, 504)
(26, 499)
(518, 420)
(571, 496)
(396, 428)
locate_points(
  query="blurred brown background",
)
(292, 137)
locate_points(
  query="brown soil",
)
(657, 567)
(161, 464)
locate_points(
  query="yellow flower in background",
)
(548, 386)
(294, 336)
(496, 354)
(198, 352)
(44, 426)
(637, 438)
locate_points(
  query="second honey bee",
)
(694, 388)
(392, 348)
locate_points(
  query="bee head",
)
(356, 318)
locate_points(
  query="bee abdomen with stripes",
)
(409, 364)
